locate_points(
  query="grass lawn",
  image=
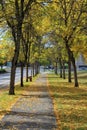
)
(70, 102)
(7, 101)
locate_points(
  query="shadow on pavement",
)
(23, 120)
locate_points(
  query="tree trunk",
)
(36, 68)
(22, 74)
(33, 70)
(71, 57)
(56, 69)
(1, 66)
(12, 77)
(69, 71)
(27, 72)
(64, 70)
(15, 59)
(60, 67)
(75, 72)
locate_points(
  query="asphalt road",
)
(5, 78)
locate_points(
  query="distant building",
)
(80, 63)
(9, 64)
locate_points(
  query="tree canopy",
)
(42, 30)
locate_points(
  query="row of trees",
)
(15, 13)
(42, 30)
(69, 29)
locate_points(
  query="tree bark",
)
(22, 67)
(33, 69)
(75, 72)
(1, 66)
(69, 70)
(15, 58)
(36, 68)
(12, 76)
(56, 69)
(64, 70)
(27, 72)
(70, 54)
(60, 67)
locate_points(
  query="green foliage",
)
(6, 50)
(2, 71)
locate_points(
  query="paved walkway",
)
(33, 111)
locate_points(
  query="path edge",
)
(54, 106)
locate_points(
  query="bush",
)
(2, 71)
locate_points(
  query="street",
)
(5, 78)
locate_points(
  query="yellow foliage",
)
(44, 26)
(54, 5)
(5, 51)
(1, 46)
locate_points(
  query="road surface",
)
(5, 78)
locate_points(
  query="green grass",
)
(70, 102)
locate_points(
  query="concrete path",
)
(33, 111)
